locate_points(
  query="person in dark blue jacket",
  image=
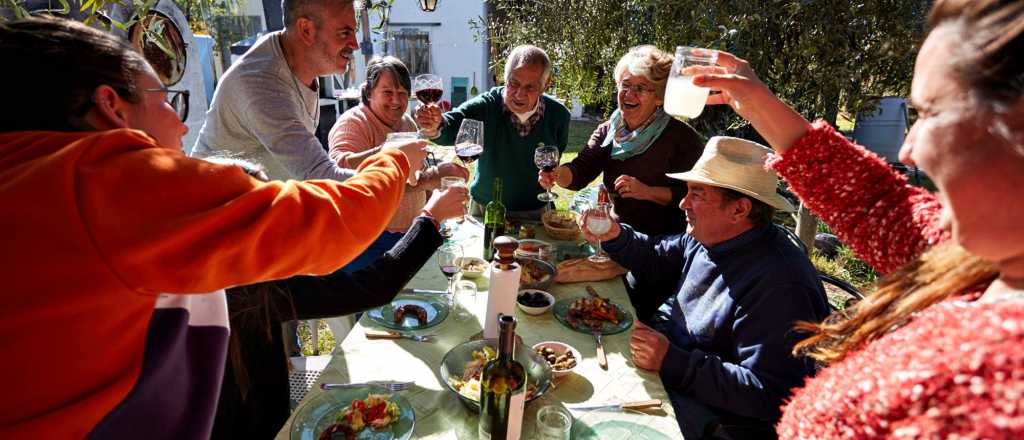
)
(722, 340)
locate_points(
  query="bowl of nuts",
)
(562, 357)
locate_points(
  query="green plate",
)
(435, 305)
(319, 413)
(561, 312)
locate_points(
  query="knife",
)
(636, 405)
(375, 334)
(602, 361)
(426, 291)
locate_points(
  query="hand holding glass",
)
(453, 182)
(400, 137)
(682, 98)
(546, 158)
(598, 223)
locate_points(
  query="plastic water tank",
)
(883, 129)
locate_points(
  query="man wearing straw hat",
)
(722, 339)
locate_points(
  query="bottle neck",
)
(496, 191)
(506, 342)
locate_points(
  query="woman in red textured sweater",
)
(937, 351)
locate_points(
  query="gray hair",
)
(528, 55)
(311, 9)
(378, 66)
(649, 62)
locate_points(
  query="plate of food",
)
(531, 248)
(363, 413)
(411, 312)
(461, 367)
(536, 274)
(593, 313)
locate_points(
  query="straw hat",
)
(737, 164)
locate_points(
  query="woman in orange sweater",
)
(113, 235)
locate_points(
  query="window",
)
(412, 47)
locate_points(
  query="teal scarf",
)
(626, 143)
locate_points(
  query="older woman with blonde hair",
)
(636, 147)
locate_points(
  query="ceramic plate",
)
(320, 412)
(561, 312)
(436, 306)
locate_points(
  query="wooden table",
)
(440, 415)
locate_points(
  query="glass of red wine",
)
(546, 158)
(428, 88)
(469, 142)
(449, 256)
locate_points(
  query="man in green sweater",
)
(517, 117)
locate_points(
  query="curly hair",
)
(649, 62)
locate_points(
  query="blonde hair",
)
(649, 62)
(943, 272)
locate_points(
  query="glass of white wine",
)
(599, 221)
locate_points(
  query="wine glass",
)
(428, 88)
(452, 182)
(546, 157)
(397, 137)
(448, 259)
(599, 221)
(469, 142)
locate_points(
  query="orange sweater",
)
(100, 223)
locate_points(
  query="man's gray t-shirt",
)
(263, 113)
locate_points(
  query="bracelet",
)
(425, 213)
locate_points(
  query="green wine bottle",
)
(494, 220)
(503, 388)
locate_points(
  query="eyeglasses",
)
(639, 89)
(178, 99)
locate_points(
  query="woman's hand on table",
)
(741, 89)
(447, 204)
(648, 346)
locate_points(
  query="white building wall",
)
(454, 50)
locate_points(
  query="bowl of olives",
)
(534, 302)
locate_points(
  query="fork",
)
(388, 384)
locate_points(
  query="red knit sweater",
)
(955, 371)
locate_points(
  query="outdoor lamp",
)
(428, 5)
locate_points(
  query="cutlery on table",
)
(424, 291)
(389, 384)
(374, 334)
(602, 360)
(636, 405)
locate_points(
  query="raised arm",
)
(191, 226)
(868, 205)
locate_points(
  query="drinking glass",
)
(546, 158)
(448, 257)
(453, 182)
(428, 88)
(553, 423)
(599, 221)
(466, 290)
(682, 98)
(469, 141)
(403, 136)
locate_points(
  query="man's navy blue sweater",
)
(731, 317)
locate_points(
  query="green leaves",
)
(821, 56)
